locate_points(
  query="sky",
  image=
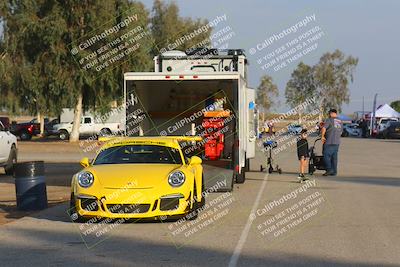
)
(366, 29)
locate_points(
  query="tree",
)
(31, 35)
(40, 72)
(396, 105)
(300, 87)
(84, 19)
(167, 27)
(39, 68)
(332, 75)
(267, 91)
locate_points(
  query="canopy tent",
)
(344, 118)
(385, 111)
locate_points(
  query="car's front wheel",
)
(72, 212)
(194, 210)
(105, 132)
(25, 136)
(63, 135)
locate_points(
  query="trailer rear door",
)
(251, 125)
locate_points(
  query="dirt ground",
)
(61, 162)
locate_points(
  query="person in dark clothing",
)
(330, 136)
(302, 154)
(364, 128)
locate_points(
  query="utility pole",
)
(363, 110)
(372, 125)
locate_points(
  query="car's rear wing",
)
(124, 138)
(184, 138)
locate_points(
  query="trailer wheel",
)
(203, 199)
(247, 165)
(240, 177)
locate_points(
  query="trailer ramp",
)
(217, 179)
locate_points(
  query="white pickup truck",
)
(8, 149)
(384, 123)
(89, 127)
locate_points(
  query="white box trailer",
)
(173, 103)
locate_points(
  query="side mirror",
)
(195, 160)
(85, 162)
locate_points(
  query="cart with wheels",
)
(269, 146)
(316, 161)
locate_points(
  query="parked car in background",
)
(89, 127)
(26, 130)
(384, 123)
(8, 149)
(351, 129)
(392, 131)
(294, 129)
(6, 122)
(49, 127)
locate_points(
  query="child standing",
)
(302, 154)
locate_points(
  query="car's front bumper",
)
(149, 207)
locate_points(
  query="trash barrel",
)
(30, 185)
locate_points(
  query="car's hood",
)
(24, 124)
(131, 175)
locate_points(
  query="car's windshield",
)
(387, 121)
(142, 154)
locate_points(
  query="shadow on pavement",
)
(60, 174)
(384, 181)
(57, 174)
(63, 246)
(391, 141)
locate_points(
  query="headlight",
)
(176, 178)
(85, 179)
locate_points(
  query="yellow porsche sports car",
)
(138, 177)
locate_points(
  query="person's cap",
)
(332, 110)
(303, 131)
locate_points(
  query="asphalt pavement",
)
(352, 219)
